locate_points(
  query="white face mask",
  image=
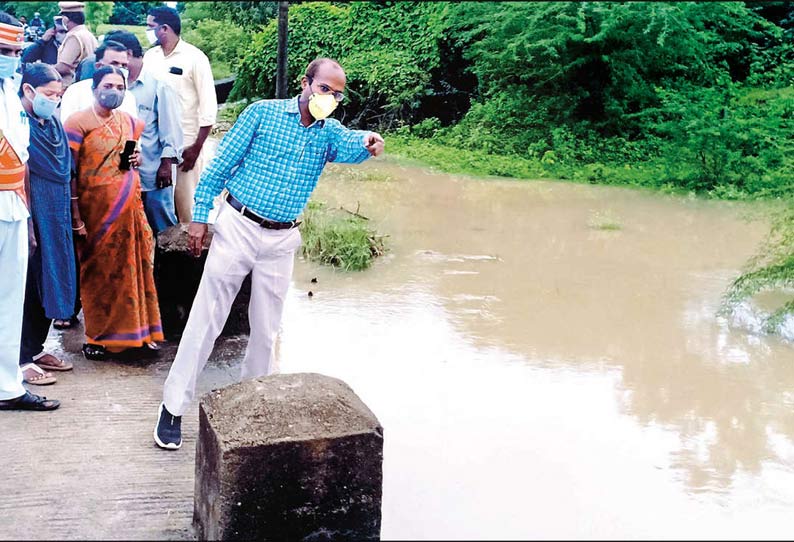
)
(150, 35)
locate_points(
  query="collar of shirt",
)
(180, 47)
(78, 28)
(293, 107)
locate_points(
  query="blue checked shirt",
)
(271, 163)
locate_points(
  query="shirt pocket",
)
(145, 113)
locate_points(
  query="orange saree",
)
(117, 257)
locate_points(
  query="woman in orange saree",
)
(117, 289)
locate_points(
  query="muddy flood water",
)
(546, 360)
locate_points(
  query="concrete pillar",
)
(177, 275)
(288, 457)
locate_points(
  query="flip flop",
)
(58, 365)
(29, 401)
(41, 378)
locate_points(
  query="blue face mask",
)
(8, 66)
(44, 107)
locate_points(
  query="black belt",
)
(264, 222)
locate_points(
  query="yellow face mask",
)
(322, 105)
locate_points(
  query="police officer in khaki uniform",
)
(78, 43)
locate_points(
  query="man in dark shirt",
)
(45, 48)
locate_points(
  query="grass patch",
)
(470, 162)
(221, 70)
(338, 238)
(604, 221)
(139, 31)
(359, 174)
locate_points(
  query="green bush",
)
(222, 41)
(389, 52)
(336, 238)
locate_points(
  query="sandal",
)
(39, 376)
(95, 352)
(29, 401)
(49, 362)
(65, 324)
(61, 324)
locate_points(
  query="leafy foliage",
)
(392, 53)
(222, 41)
(46, 10)
(772, 268)
(131, 13)
(97, 13)
(249, 15)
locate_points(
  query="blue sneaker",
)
(168, 431)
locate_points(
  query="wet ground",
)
(544, 357)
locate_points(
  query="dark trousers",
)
(35, 324)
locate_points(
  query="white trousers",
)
(185, 188)
(13, 268)
(238, 247)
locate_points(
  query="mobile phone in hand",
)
(126, 154)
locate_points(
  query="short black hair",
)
(169, 16)
(109, 44)
(103, 71)
(127, 39)
(5, 18)
(77, 17)
(39, 74)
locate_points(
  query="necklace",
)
(107, 124)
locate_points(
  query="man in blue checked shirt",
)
(269, 163)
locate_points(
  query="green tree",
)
(97, 13)
(46, 10)
(131, 13)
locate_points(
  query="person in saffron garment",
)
(117, 256)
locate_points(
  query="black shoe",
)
(168, 431)
(29, 401)
(94, 351)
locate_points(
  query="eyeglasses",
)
(325, 89)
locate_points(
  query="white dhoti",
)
(239, 247)
(13, 268)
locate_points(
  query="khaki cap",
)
(71, 7)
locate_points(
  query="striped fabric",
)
(12, 170)
(11, 35)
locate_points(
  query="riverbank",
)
(653, 174)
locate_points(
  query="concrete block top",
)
(286, 408)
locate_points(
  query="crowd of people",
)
(94, 131)
(100, 151)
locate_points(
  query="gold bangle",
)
(80, 227)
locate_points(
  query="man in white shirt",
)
(14, 227)
(188, 71)
(80, 96)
